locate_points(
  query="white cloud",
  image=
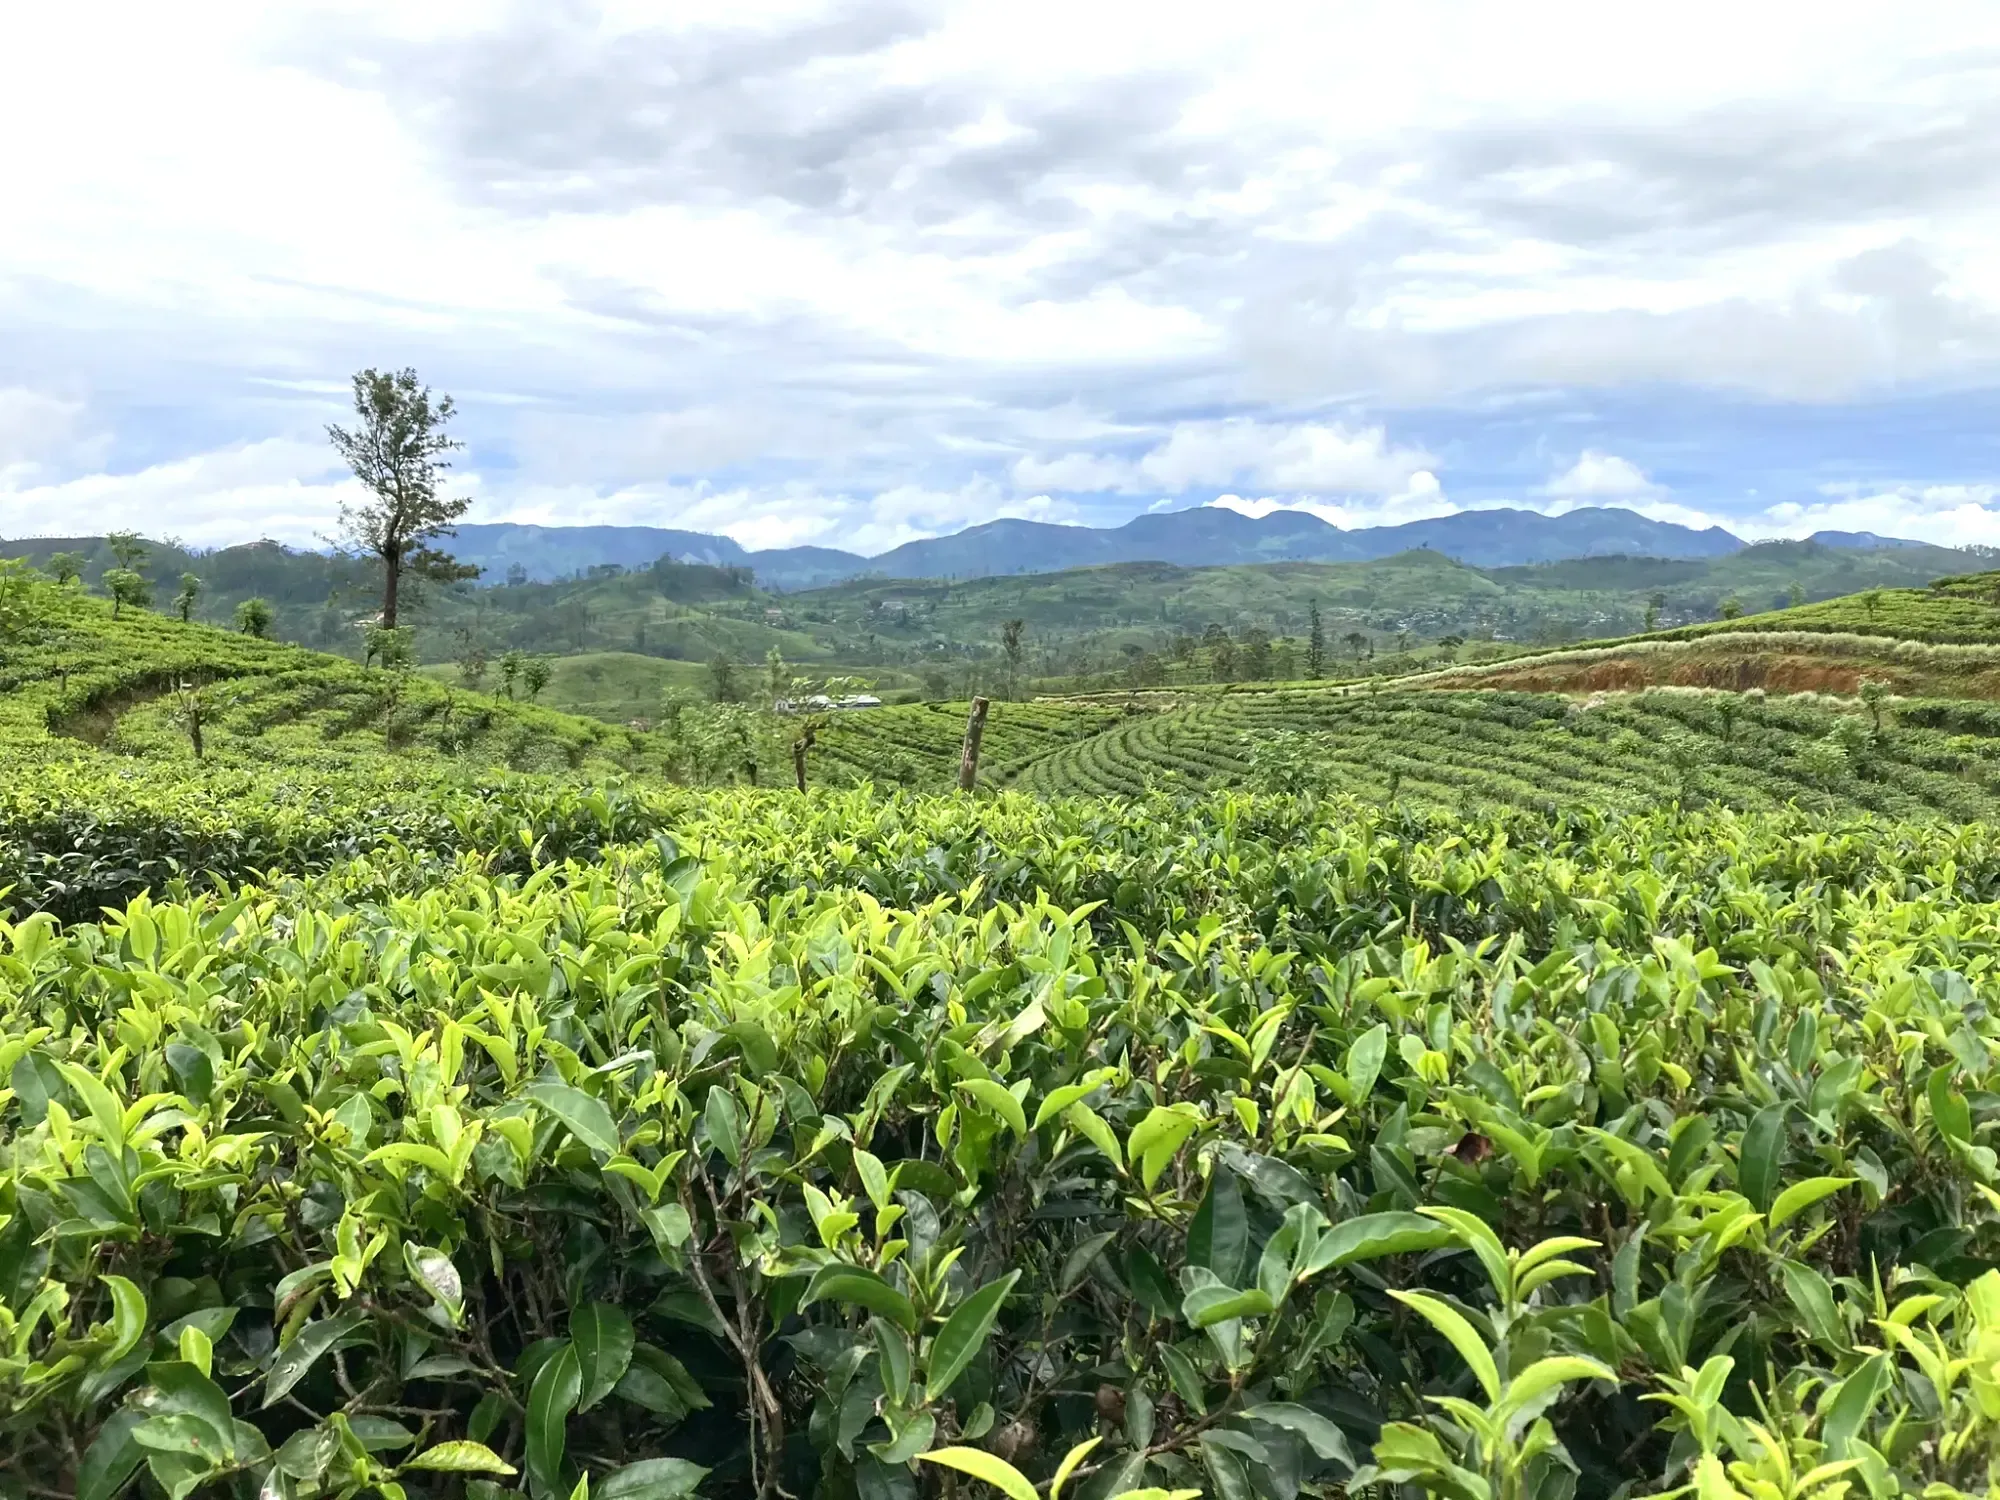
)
(1949, 515)
(1299, 458)
(813, 255)
(1421, 498)
(37, 430)
(791, 515)
(1076, 473)
(279, 488)
(1294, 457)
(1598, 477)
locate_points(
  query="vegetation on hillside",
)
(1133, 625)
(409, 1090)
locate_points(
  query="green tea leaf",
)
(1365, 1058)
(550, 1401)
(964, 1334)
(305, 1349)
(863, 1288)
(1219, 1235)
(998, 1101)
(114, 1456)
(1206, 1306)
(1803, 1195)
(603, 1338)
(1068, 1466)
(724, 1118)
(1450, 1322)
(1372, 1236)
(1762, 1154)
(980, 1464)
(585, 1115)
(461, 1457)
(1325, 1439)
(652, 1479)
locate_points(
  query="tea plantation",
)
(1512, 1097)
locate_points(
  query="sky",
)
(852, 274)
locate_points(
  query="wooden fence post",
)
(968, 762)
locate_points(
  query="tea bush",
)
(1627, 750)
(863, 1148)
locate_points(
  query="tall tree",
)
(777, 677)
(126, 586)
(1256, 654)
(127, 550)
(399, 453)
(1315, 642)
(1010, 646)
(722, 678)
(186, 600)
(253, 617)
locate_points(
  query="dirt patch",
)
(96, 722)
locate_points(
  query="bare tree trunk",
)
(800, 745)
(975, 730)
(392, 577)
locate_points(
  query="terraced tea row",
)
(918, 745)
(1626, 750)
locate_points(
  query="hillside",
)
(1201, 536)
(302, 756)
(1752, 713)
(1423, 594)
(1130, 624)
(415, 1093)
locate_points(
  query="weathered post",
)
(968, 762)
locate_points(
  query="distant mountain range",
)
(1202, 537)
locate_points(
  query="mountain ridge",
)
(1197, 537)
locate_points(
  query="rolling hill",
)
(1799, 705)
(1203, 536)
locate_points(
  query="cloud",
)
(787, 515)
(1295, 457)
(1949, 515)
(826, 260)
(1307, 456)
(1421, 499)
(1073, 472)
(38, 429)
(279, 488)
(1598, 477)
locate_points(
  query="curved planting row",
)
(1531, 748)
